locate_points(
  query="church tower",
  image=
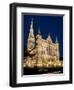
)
(57, 48)
(39, 46)
(39, 39)
(31, 38)
(50, 45)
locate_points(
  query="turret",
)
(31, 38)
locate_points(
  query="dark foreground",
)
(34, 71)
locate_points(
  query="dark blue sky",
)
(46, 24)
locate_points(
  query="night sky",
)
(47, 24)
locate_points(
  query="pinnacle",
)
(31, 22)
(56, 40)
(39, 31)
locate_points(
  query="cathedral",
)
(42, 52)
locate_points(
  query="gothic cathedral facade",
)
(45, 52)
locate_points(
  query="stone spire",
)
(49, 39)
(39, 38)
(31, 28)
(31, 38)
(56, 40)
(57, 48)
(39, 32)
